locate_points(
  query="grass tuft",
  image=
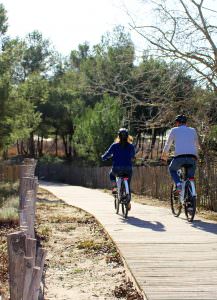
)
(9, 211)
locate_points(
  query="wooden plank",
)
(170, 258)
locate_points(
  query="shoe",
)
(178, 189)
(114, 191)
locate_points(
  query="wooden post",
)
(16, 253)
(29, 212)
(40, 260)
(31, 247)
(29, 264)
(28, 181)
(26, 184)
(25, 268)
(32, 288)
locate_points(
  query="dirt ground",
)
(82, 262)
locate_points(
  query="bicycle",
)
(123, 196)
(187, 197)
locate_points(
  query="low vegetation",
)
(80, 254)
(8, 203)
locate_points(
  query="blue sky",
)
(70, 22)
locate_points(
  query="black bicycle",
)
(123, 196)
(187, 197)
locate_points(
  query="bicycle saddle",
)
(122, 174)
(186, 165)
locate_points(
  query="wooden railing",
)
(153, 181)
(9, 172)
(26, 261)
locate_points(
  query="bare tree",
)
(185, 30)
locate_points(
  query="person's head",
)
(181, 120)
(123, 134)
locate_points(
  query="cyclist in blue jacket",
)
(122, 152)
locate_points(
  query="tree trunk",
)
(56, 143)
(40, 146)
(18, 148)
(153, 140)
(23, 151)
(65, 145)
(70, 146)
(31, 145)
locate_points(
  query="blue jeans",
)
(177, 163)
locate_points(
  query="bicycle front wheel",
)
(115, 201)
(190, 203)
(125, 209)
(175, 203)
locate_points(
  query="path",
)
(169, 258)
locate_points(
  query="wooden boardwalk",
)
(169, 258)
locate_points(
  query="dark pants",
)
(177, 163)
(117, 171)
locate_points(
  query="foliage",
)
(46, 159)
(97, 128)
(83, 99)
(3, 20)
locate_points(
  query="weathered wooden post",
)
(28, 181)
(29, 261)
(25, 263)
(27, 195)
(16, 254)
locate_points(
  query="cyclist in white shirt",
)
(186, 144)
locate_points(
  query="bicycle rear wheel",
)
(117, 203)
(190, 203)
(175, 203)
(124, 200)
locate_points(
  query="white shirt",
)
(185, 140)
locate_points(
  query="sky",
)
(68, 23)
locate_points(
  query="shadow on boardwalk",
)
(205, 226)
(155, 226)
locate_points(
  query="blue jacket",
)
(121, 155)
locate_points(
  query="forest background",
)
(71, 107)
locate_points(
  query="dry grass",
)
(8, 203)
(79, 250)
(9, 211)
(4, 231)
(8, 223)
